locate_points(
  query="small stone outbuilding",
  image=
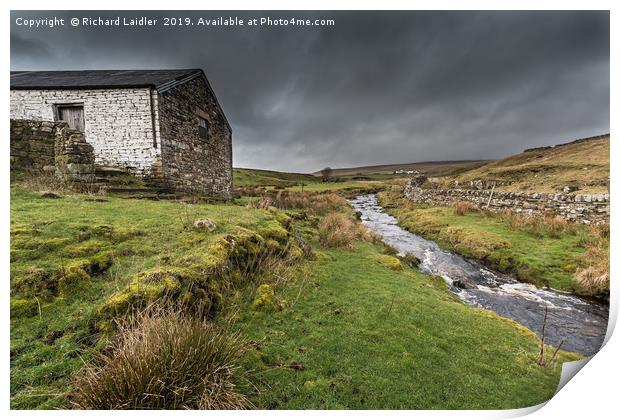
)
(164, 125)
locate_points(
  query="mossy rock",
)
(134, 296)
(186, 286)
(266, 299)
(100, 262)
(22, 308)
(411, 260)
(35, 282)
(274, 230)
(71, 277)
(390, 262)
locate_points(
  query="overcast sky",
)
(375, 88)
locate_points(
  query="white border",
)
(590, 394)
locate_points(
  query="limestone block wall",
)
(190, 163)
(119, 123)
(579, 208)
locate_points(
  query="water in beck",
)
(579, 324)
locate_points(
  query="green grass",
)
(305, 182)
(355, 331)
(261, 178)
(360, 335)
(50, 233)
(538, 257)
(339, 186)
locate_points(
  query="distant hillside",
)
(439, 168)
(583, 163)
(243, 177)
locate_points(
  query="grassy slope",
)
(370, 337)
(365, 335)
(260, 177)
(311, 183)
(46, 350)
(538, 258)
(547, 170)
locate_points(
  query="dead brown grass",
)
(461, 208)
(39, 182)
(584, 163)
(163, 359)
(338, 230)
(593, 277)
(551, 224)
(311, 202)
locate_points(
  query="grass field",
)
(262, 178)
(51, 343)
(369, 177)
(359, 335)
(352, 331)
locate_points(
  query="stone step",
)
(130, 189)
(154, 196)
(109, 171)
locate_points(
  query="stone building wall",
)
(190, 163)
(52, 148)
(579, 208)
(118, 123)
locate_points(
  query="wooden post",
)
(491, 196)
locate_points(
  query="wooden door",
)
(73, 115)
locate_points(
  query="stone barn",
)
(163, 125)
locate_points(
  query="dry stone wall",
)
(47, 147)
(579, 208)
(32, 145)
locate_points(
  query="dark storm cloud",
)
(378, 87)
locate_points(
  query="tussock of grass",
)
(592, 277)
(164, 359)
(315, 203)
(547, 225)
(338, 230)
(463, 207)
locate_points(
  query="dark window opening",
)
(203, 128)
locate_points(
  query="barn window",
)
(203, 128)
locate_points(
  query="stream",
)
(579, 324)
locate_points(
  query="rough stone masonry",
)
(164, 125)
(52, 148)
(579, 208)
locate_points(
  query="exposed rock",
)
(464, 283)
(207, 224)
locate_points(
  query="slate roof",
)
(99, 79)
